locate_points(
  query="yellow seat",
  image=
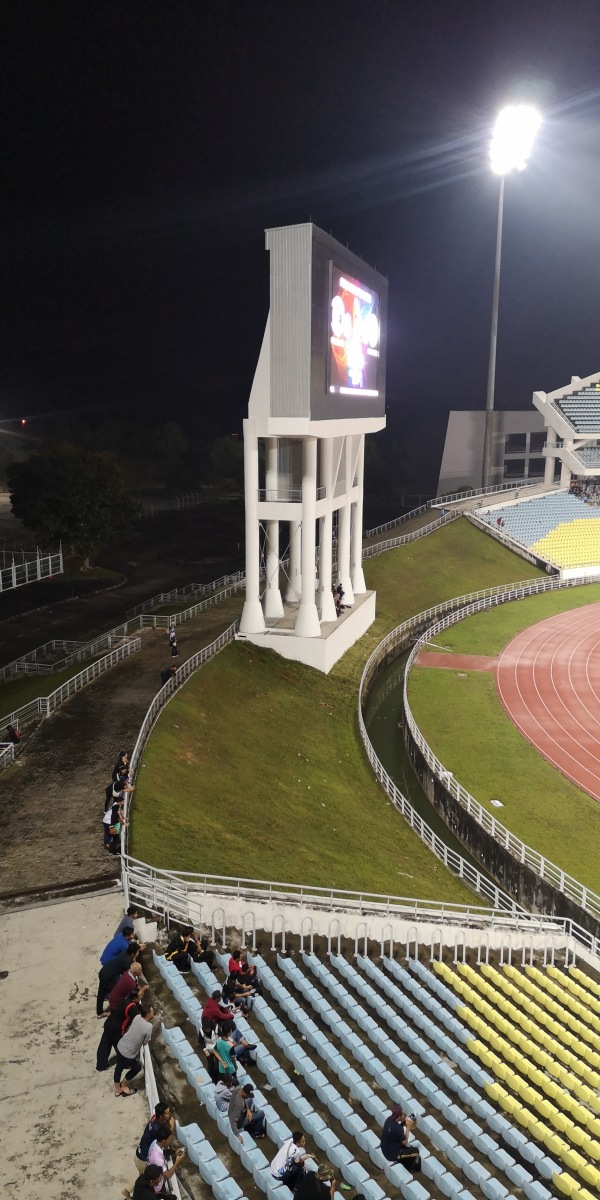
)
(544, 1108)
(593, 1149)
(560, 1121)
(551, 1089)
(583, 1194)
(565, 1184)
(494, 1091)
(578, 1136)
(573, 1160)
(510, 1104)
(591, 1175)
(553, 1142)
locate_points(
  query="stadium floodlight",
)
(513, 137)
(512, 140)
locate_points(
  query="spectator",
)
(166, 675)
(317, 1186)
(288, 1164)
(127, 919)
(117, 944)
(13, 735)
(128, 986)
(214, 1013)
(188, 945)
(160, 1117)
(114, 1027)
(249, 976)
(156, 1152)
(172, 634)
(394, 1139)
(238, 992)
(223, 1093)
(137, 1034)
(113, 821)
(174, 650)
(223, 1053)
(244, 1115)
(207, 1042)
(122, 761)
(235, 961)
(242, 1048)
(148, 1186)
(111, 972)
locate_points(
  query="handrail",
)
(44, 706)
(543, 867)
(470, 494)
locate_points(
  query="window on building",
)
(537, 466)
(514, 443)
(514, 468)
(537, 442)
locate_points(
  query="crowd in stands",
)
(122, 1003)
(587, 490)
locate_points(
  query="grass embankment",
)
(255, 768)
(462, 718)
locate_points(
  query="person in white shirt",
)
(288, 1164)
(137, 1034)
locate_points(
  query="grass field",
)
(255, 768)
(462, 718)
(17, 692)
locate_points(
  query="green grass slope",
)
(255, 768)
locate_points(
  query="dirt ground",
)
(64, 1134)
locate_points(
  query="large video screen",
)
(354, 337)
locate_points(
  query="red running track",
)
(549, 683)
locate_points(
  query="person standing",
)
(117, 944)
(223, 1052)
(160, 1117)
(114, 1027)
(128, 1048)
(128, 986)
(111, 972)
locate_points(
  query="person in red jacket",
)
(214, 1013)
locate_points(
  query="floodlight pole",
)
(491, 382)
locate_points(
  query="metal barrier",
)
(28, 663)
(584, 897)
(44, 706)
(452, 498)
(38, 566)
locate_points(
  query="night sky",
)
(145, 146)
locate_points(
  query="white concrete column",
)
(356, 569)
(550, 461)
(345, 516)
(565, 471)
(325, 601)
(307, 621)
(272, 599)
(252, 620)
(293, 586)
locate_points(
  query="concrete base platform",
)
(321, 652)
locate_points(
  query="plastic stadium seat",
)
(566, 1184)
(226, 1189)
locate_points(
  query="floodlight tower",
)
(514, 133)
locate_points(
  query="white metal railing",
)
(470, 494)
(28, 664)
(186, 896)
(581, 895)
(29, 570)
(404, 538)
(187, 500)
(44, 706)
(511, 543)
(190, 589)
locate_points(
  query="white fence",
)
(190, 589)
(520, 851)
(452, 498)
(44, 706)
(29, 570)
(455, 609)
(33, 663)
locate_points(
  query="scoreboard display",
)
(354, 336)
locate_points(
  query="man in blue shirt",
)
(116, 945)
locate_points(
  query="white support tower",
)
(319, 387)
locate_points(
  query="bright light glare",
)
(514, 133)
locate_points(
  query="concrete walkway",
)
(64, 1134)
(53, 797)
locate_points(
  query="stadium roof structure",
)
(572, 417)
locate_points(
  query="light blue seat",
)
(413, 1190)
(313, 1124)
(339, 1108)
(354, 1174)
(299, 1107)
(498, 1123)
(548, 1168)
(340, 1155)
(172, 1037)
(372, 1190)
(448, 1185)
(274, 1187)
(210, 1104)
(190, 1137)
(326, 1139)
(459, 1156)
(376, 1108)
(501, 1159)
(493, 1189)
(248, 1151)
(210, 1168)
(536, 1191)
(396, 1174)
(227, 1189)
(518, 1175)
(476, 1173)
(377, 1157)
(223, 1122)
(260, 1164)
(195, 1070)
(432, 1168)
(354, 1125)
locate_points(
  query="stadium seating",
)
(501, 1067)
(582, 409)
(560, 527)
